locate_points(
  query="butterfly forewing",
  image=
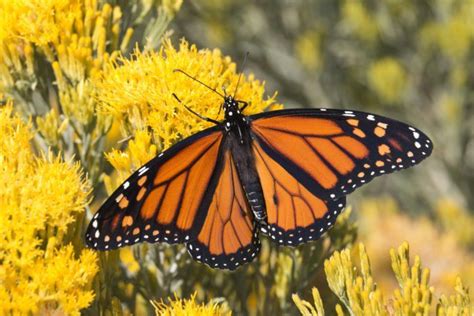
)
(161, 200)
(335, 151)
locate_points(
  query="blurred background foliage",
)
(92, 81)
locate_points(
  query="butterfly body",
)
(282, 173)
(239, 141)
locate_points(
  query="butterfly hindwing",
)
(161, 200)
(228, 238)
(336, 151)
(295, 214)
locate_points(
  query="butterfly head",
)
(231, 108)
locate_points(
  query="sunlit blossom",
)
(43, 197)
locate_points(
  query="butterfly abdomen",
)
(254, 196)
(245, 164)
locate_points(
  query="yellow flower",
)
(453, 35)
(284, 268)
(308, 49)
(43, 196)
(128, 260)
(388, 79)
(184, 307)
(138, 91)
(447, 252)
(73, 27)
(358, 20)
(171, 6)
(415, 293)
(458, 304)
(140, 149)
(451, 106)
(74, 36)
(456, 220)
(306, 308)
(356, 289)
(36, 21)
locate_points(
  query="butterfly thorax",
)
(235, 122)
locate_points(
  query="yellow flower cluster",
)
(356, 289)
(184, 307)
(138, 92)
(415, 294)
(72, 34)
(358, 20)
(387, 78)
(307, 309)
(285, 268)
(39, 200)
(448, 252)
(308, 49)
(47, 56)
(458, 304)
(453, 35)
(457, 221)
(171, 6)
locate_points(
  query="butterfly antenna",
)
(197, 80)
(241, 72)
(193, 112)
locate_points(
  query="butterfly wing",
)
(228, 237)
(335, 151)
(165, 200)
(295, 213)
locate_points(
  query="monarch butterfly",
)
(283, 173)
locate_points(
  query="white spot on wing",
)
(126, 185)
(142, 170)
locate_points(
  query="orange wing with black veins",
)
(165, 200)
(228, 237)
(295, 214)
(334, 151)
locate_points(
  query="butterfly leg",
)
(245, 104)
